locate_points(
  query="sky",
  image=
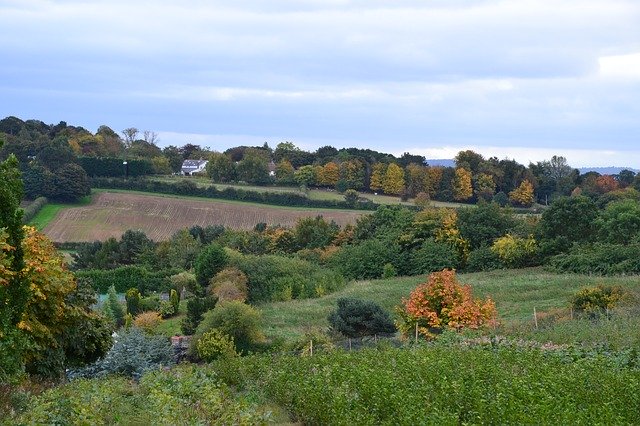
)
(517, 79)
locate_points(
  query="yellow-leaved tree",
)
(393, 182)
(462, 189)
(523, 194)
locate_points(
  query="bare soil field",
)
(110, 214)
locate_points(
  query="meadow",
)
(110, 213)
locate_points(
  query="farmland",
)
(111, 213)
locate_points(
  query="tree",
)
(132, 244)
(357, 318)
(482, 225)
(305, 175)
(220, 168)
(130, 135)
(254, 167)
(442, 302)
(619, 223)
(351, 197)
(393, 180)
(469, 160)
(522, 195)
(606, 183)
(172, 153)
(211, 260)
(352, 174)
(485, 187)
(284, 172)
(462, 189)
(115, 308)
(417, 179)
(378, 172)
(71, 183)
(570, 218)
(330, 174)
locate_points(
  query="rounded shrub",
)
(483, 259)
(148, 321)
(215, 344)
(434, 256)
(211, 260)
(356, 318)
(237, 320)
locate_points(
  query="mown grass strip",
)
(51, 210)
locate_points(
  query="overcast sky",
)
(519, 79)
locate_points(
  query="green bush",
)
(167, 309)
(115, 308)
(196, 307)
(235, 319)
(366, 260)
(483, 259)
(32, 209)
(211, 260)
(597, 300)
(389, 271)
(134, 301)
(122, 278)
(280, 278)
(599, 259)
(356, 318)
(174, 298)
(215, 344)
(434, 256)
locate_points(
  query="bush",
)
(122, 278)
(211, 260)
(389, 271)
(366, 260)
(483, 259)
(134, 301)
(115, 308)
(600, 259)
(151, 303)
(280, 278)
(230, 284)
(196, 307)
(133, 353)
(148, 321)
(433, 256)
(174, 299)
(167, 309)
(215, 344)
(597, 300)
(184, 281)
(516, 252)
(357, 318)
(237, 320)
(442, 302)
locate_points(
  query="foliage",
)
(220, 168)
(619, 223)
(174, 299)
(570, 217)
(482, 225)
(215, 344)
(441, 303)
(32, 209)
(280, 278)
(433, 256)
(147, 321)
(167, 309)
(501, 199)
(422, 200)
(314, 232)
(132, 354)
(211, 260)
(235, 319)
(351, 197)
(71, 183)
(356, 318)
(115, 308)
(462, 189)
(196, 307)
(122, 278)
(596, 300)
(389, 271)
(523, 194)
(483, 259)
(365, 260)
(113, 167)
(600, 259)
(516, 252)
(184, 281)
(393, 182)
(230, 284)
(133, 298)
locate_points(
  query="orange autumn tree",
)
(442, 302)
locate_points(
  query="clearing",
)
(110, 214)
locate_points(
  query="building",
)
(189, 167)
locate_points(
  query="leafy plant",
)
(196, 307)
(211, 260)
(235, 319)
(215, 344)
(356, 318)
(596, 300)
(147, 321)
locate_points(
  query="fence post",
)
(349, 344)
(535, 317)
(416, 332)
(311, 348)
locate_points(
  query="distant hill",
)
(606, 170)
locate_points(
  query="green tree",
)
(211, 260)
(356, 318)
(570, 218)
(254, 167)
(482, 225)
(114, 306)
(485, 187)
(220, 168)
(417, 179)
(284, 172)
(305, 175)
(619, 223)
(71, 183)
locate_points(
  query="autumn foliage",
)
(442, 302)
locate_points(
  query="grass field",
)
(50, 210)
(112, 212)
(516, 293)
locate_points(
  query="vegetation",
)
(357, 318)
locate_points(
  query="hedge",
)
(598, 259)
(32, 209)
(113, 167)
(126, 277)
(191, 189)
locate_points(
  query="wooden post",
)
(311, 348)
(349, 343)
(535, 317)
(571, 314)
(375, 338)
(416, 332)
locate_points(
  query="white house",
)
(189, 167)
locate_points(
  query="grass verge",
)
(51, 210)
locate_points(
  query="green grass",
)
(50, 210)
(516, 293)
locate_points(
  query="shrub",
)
(196, 307)
(230, 284)
(516, 252)
(122, 278)
(133, 353)
(601, 259)
(32, 209)
(147, 321)
(389, 271)
(365, 260)
(115, 308)
(442, 302)
(597, 300)
(211, 260)
(422, 200)
(151, 303)
(134, 301)
(434, 256)
(215, 344)
(357, 318)
(167, 309)
(235, 319)
(184, 281)
(174, 299)
(483, 259)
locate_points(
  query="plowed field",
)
(110, 214)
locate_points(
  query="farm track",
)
(110, 214)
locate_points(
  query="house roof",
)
(193, 164)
